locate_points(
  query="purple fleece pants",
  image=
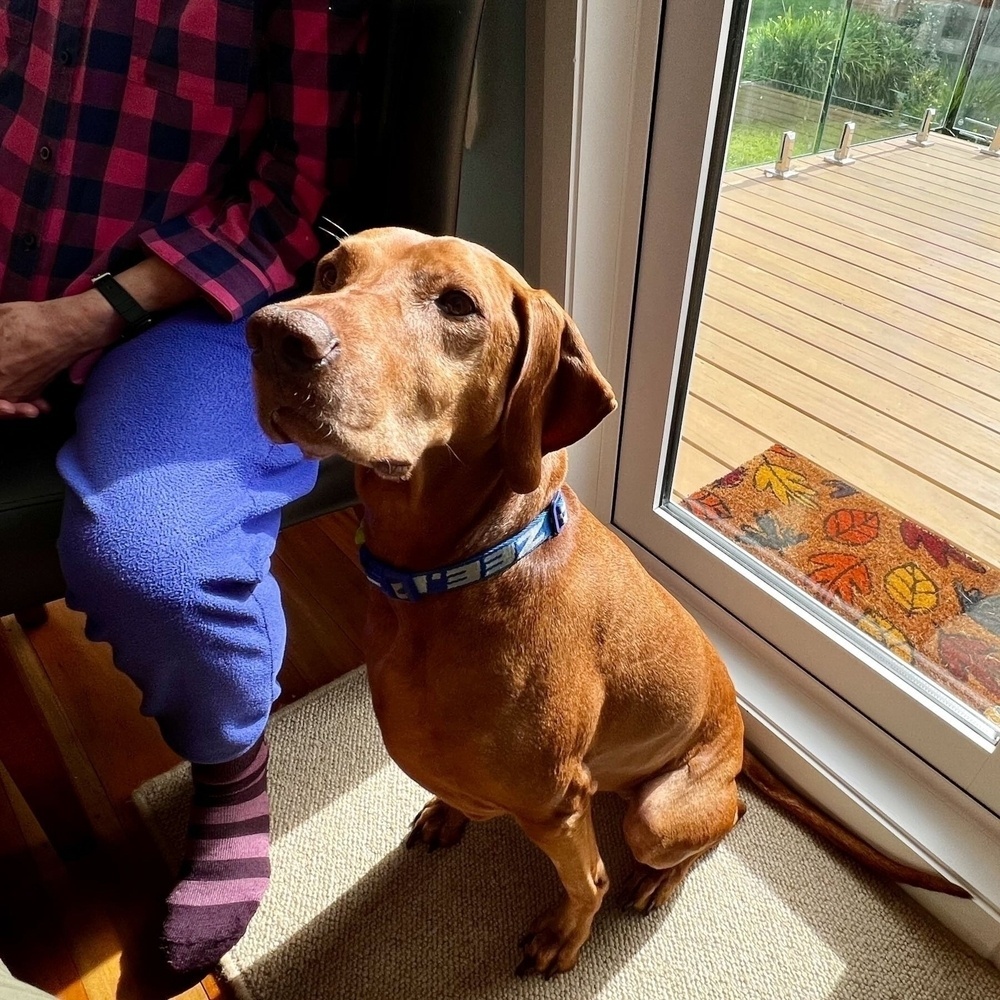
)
(173, 506)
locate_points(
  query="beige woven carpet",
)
(351, 915)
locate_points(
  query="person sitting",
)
(155, 156)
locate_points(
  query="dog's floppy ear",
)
(557, 395)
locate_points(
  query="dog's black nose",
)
(297, 339)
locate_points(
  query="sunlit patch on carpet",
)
(928, 602)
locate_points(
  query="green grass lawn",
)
(752, 143)
(755, 143)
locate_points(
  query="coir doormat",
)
(931, 604)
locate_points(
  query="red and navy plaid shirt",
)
(207, 132)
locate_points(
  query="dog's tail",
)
(773, 788)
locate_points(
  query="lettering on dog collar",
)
(493, 561)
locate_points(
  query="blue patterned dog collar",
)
(412, 586)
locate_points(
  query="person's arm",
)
(40, 339)
(245, 247)
(238, 252)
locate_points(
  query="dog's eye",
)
(327, 277)
(456, 303)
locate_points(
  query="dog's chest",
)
(442, 747)
(454, 717)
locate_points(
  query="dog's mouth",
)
(289, 426)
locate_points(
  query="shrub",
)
(880, 68)
(981, 100)
(927, 88)
(793, 51)
(877, 62)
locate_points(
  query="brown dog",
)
(455, 387)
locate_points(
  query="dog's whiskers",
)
(331, 228)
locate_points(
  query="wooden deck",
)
(853, 314)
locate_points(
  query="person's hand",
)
(40, 339)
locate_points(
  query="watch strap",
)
(136, 318)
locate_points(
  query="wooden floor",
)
(85, 930)
(853, 314)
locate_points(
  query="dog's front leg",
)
(554, 940)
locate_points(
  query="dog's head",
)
(410, 343)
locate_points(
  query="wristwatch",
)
(136, 318)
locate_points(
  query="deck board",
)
(916, 214)
(924, 346)
(882, 358)
(827, 214)
(897, 302)
(853, 313)
(950, 284)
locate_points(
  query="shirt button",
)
(28, 241)
(65, 57)
(45, 153)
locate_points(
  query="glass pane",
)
(812, 65)
(787, 70)
(841, 430)
(979, 109)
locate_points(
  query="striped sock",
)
(226, 866)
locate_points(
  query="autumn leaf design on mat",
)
(972, 660)
(853, 527)
(886, 634)
(939, 549)
(730, 479)
(981, 608)
(842, 574)
(839, 489)
(769, 534)
(707, 506)
(787, 485)
(912, 589)
(899, 582)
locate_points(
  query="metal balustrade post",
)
(783, 165)
(922, 138)
(842, 154)
(994, 146)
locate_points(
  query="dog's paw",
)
(647, 888)
(554, 941)
(437, 825)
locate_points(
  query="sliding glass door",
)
(811, 426)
